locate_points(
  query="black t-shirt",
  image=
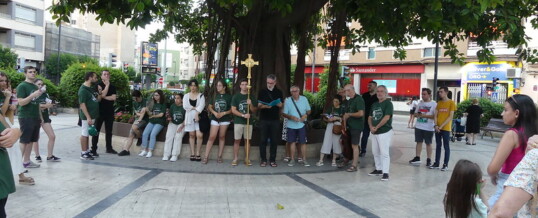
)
(368, 101)
(265, 95)
(106, 107)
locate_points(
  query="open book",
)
(273, 103)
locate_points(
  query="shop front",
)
(481, 80)
(309, 82)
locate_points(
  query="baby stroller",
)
(458, 131)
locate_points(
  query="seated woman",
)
(156, 123)
(175, 131)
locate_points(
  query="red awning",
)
(387, 69)
(308, 70)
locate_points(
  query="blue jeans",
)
(151, 131)
(442, 138)
(500, 187)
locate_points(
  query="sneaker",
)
(306, 164)
(291, 163)
(38, 159)
(300, 160)
(86, 156)
(319, 163)
(376, 173)
(149, 154)
(362, 154)
(415, 160)
(143, 153)
(434, 166)
(124, 153)
(428, 162)
(53, 158)
(111, 151)
(173, 158)
(385, 177)
(165, 158)
(94, 154)
(445, 167)
(32, 165)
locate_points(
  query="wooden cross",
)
(249, 63)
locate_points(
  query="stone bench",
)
(494, 125)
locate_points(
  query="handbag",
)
(463, 121)
(337, 129)
(204, 122)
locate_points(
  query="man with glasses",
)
(29, 114)
(296, 110)
(269, 119)
(106, 113)
(443, 125)
(354, 118)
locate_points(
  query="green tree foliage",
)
(73, 78)
(131, 73)
(15, 78)
(490, 109)
(8, 58)
(51, 64)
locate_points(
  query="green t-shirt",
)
(337, 112)
(177, 113)
(354, 105)
(7, 183)
(380, 110)
(222, 103)
(2, 99)
(30, 110)
(88, 96)
(137, 106)
(43, 100)
(157, 109)
(239, 101)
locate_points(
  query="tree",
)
(131, 73)
(8, 58)
(66, 60)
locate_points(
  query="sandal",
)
(467, 143)
(273, 164)
(234, 162)
(204, 161)
(287, 159)
(219, 160)
(248, 163)
(198, 158)
(352, 169)
(334, 164)
(263, 164)
(192, 158)
(27, 181)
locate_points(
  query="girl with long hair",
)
(464, 196)
(44, 104)
(194, 103)
(220, 108)
(520, 113)
(155, 125)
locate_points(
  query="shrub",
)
(490, 109)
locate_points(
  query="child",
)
(464, 196)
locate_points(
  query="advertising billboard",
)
(150, 54)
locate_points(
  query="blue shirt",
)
(289, 109)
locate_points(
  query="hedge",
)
(490, 109)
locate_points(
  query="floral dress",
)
(524, 177)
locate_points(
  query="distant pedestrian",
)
(412, 103)
(380, 121)
(472, 127)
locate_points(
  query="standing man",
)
(106, 113)
(443, 125)
(29, 114)
(369, 98)
(269, 119)
(424, 128)
(296, 109)
(240, 103)
(89, 99)
(354, 118)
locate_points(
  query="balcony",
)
(343, 56)
(499, 48)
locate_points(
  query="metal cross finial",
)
(249, 63)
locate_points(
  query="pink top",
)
(516, 155)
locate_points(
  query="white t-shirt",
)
(413, 104)
(427, 108)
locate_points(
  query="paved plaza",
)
(133, 186)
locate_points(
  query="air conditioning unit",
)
(513, 73)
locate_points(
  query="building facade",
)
(73, 41)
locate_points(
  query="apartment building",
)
(22, 28)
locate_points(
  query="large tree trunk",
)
(301, 53)
(336, 39)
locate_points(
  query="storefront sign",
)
(390, 84)
(486, 71)
(387, 69)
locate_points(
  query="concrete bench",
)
(494, 125)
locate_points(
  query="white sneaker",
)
(149, 154)
(320, 163)
(173, 158)
(165, 158)
(143, 153)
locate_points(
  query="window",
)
(428, 52)
(25, 13)
(24, 40)
(73, 22)
(371, 53)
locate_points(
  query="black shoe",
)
(376, 173)
(428, 162)
(139, 142)
(53, 158)
(362, 154)
(415, 160)
(111, 151)
(385, 177)
(94, 153)
(124, 153)
(86, 156)
(445, 167)
(434, 166)
(38, 159)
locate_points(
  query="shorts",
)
(192, 127)
(48, 120)
(423, 136)
(30, 129)
(217, 123)
(140, 126)
(297, 135)
(412, 111)
(240, 130)
(355, 136)
(85, 126)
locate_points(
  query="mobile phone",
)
(478, 187)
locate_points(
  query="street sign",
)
(161, 80)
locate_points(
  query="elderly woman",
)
(380, 122)
(194, 103)
(472, 127)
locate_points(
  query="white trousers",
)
(380, 150)
(15, 156)
(331, 141)
(173, 142)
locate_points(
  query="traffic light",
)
(125, 67)
(489, 90)
(166, 71)
(494, 81)
(227, 80)
(112, 60)
(345, 71)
